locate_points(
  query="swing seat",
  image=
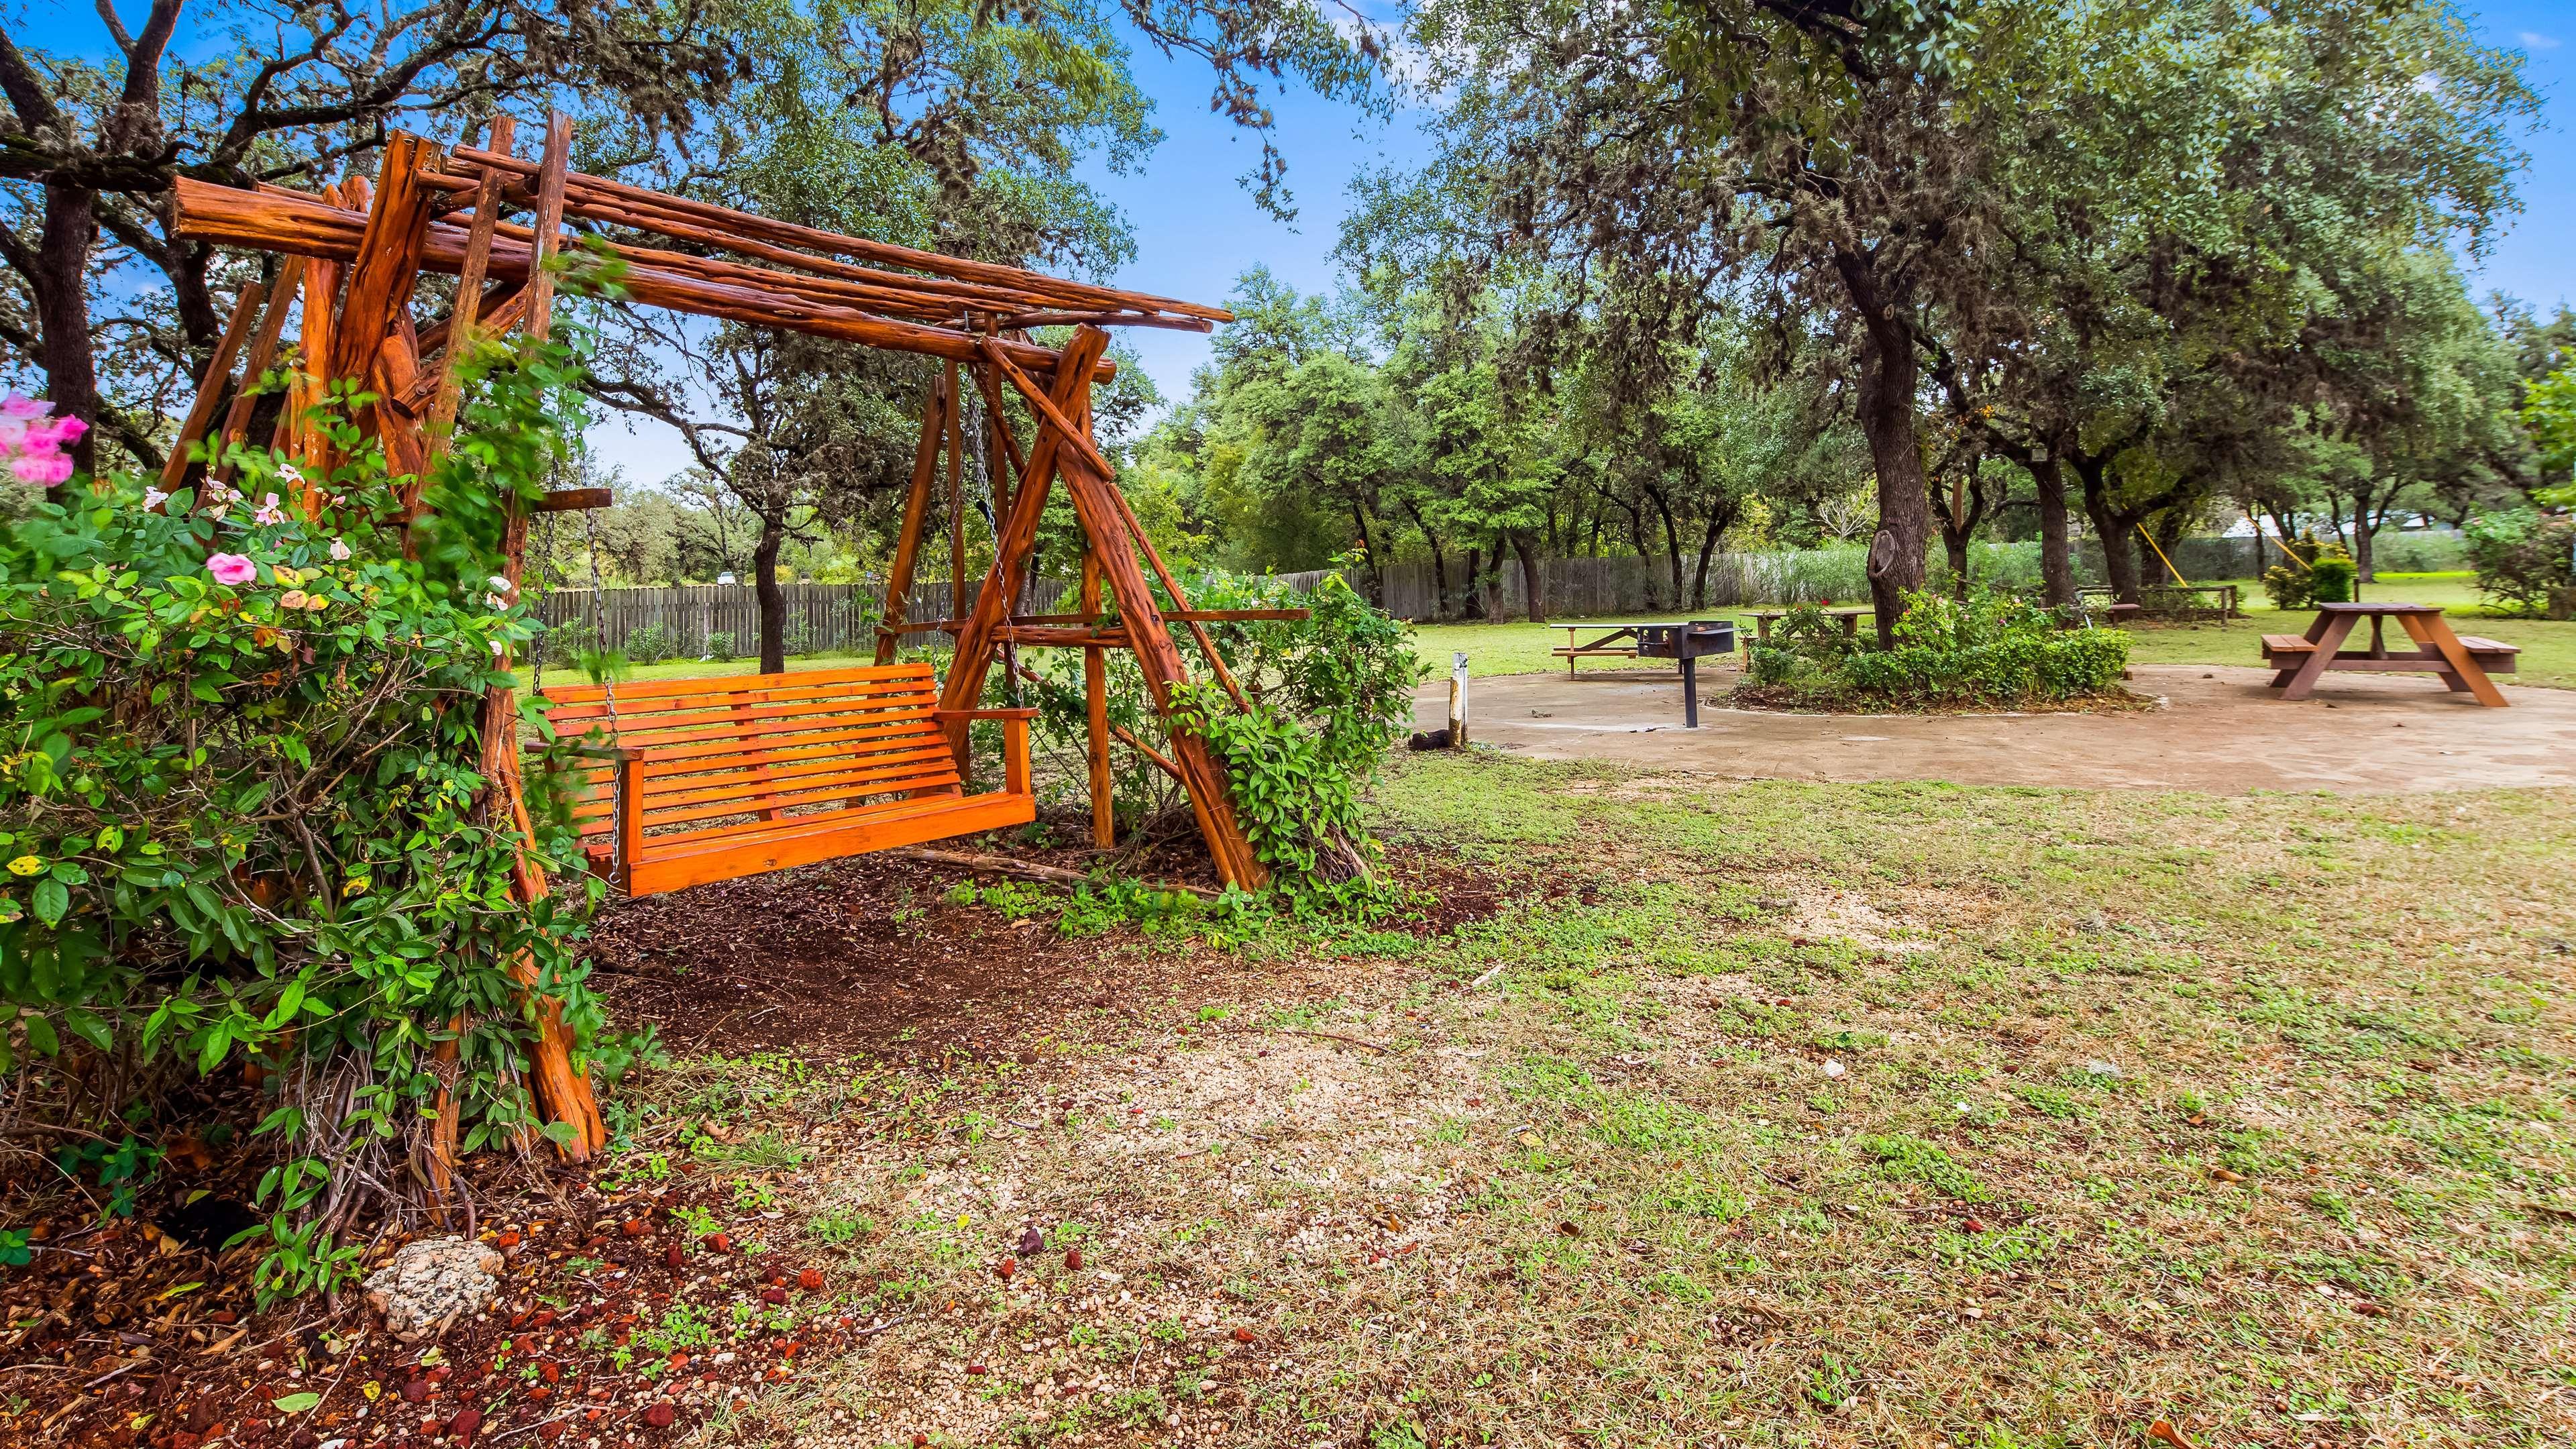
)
(700, 780)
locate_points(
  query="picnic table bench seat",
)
(2284, 651)
(698, 780)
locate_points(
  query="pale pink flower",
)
(339, 551)
(22, 408)
(231, 568)
(46, 469)
(154, 498)
(269, 512)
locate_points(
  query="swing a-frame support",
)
(701, 780)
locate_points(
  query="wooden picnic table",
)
(2463, 664)
(1616, 640)
(1849, 614)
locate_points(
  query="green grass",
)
(2548, 649)
(1775, 1114)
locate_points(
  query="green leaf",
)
(295, 1403)
(52, 900)
(40, 1034)
(87, 1026)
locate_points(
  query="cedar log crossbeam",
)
(354, 254)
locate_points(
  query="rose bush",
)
(242, 802)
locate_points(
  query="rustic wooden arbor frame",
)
(356, 251)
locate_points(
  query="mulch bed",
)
(137, 1332)
(112, 1345)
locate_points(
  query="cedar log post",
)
(1104, 516)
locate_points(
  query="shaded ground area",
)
(2220, 730)
(880, 955)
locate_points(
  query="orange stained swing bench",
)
(699, 780)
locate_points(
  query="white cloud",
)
(2534, 40)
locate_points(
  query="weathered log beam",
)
(307, 226)
(587, 188)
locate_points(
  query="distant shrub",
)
(2418, 551)
(2332, 576)
(2522, 558)
(648, 645)
(2322, 573)
(1993, 649)
(720, 645)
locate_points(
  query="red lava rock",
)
(679, 1361)
(439, 1374)
(1073, 1259)
(185, 1440)
(465, 1423)
(1007, 1267)
(1243, 1335)
(810, 1280)
(417, 1391)
(1975, 1225)
(791, 1348)
(549, 1371)
(673, 1256)
(976, 1368)
(431, 1428)
(920, 1441)
(551, 1430)
(544, 1317)
(518, 1319)
(636, 1227)
(223, 1315)
(773, 1296)
(659, 1416)
(718, 1242)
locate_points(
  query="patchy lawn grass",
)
(1793, 1115)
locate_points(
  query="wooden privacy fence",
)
(821, 618)
(842, 618)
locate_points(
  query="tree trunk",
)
(2113, 528)
(2363, 526)
(2056, 560)
(773, 600)
(1368, 550)
(1439, 563)
(1954, 543)
(62, 312)
(1672, 542)
(1531, 588)
(1890, 376)
(1719, 521)
(1472, 606)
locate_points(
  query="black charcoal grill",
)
(1686, 643)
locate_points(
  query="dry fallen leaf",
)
(2164, 1431)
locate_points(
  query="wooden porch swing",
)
(704, 780)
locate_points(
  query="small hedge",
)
(1992, 649)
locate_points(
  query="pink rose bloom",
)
(231, 568)
(45, 469)
(23, 408)
(69, 431)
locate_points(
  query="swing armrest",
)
(1015, 741)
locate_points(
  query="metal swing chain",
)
(979, 443)
(599, 616)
